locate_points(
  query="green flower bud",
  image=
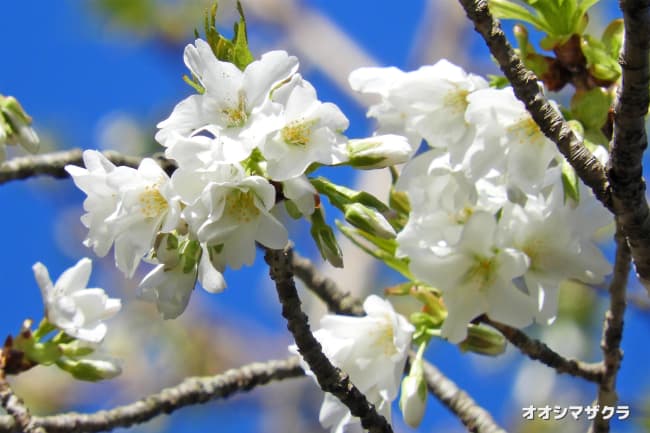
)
(484, 340)
(369, 220)
(379, 151)
(90, 369)
(413, 398)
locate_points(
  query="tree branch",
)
(524, 84)
(613, 333)
(190, 391)
(473, 416)
(52, 164)
(19, 414)
(539, 351)
(625, 169)
(330, 378)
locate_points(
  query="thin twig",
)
(473, 416)
(337, 301)
(613, 333)
(539, 351)
(18, 412)
(190, 391)
(330, 378)
(525, 87)
(53, 164)
(625, 169)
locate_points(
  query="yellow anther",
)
(152, 203)
(240, 206)
(298, 132)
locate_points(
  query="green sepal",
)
(341, 196)
(75, 350)
(44, 328)
(190, 252)
(235, 51)
(483, 340)
(325, 239)
(44, 353)
(381, 249)
(570, 182)
(426, 327)
(241, 53)
(292, 209)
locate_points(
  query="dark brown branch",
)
(625, 170)
(613, 333)
(330, 378)
(19, 414)
(189, 392)
(52, 164)
(337, 301)
(524, 84)
(473, 416)
(539, 351)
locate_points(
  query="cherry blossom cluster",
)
(491, 226)
(247, 137)
(372, 350)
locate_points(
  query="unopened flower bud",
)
(369, 220)
(413, 398)
(379, 151)
(91, 369)
(18, 123)
(325, 239)
(484, 340)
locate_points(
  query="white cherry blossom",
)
(372, 350)
(124, 206)
(227, 111)
(508, 139)
(550, 235)
(225, 207)
(475, 277)
(73, 308)
(305, 131)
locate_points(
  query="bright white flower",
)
(379, 81)
(504, 127)
(72, 307)
(226, 208)
(427, 103)
(372, 350)
(124, 206)
(227, 110)
(434, 99)
(442, 199)
(302, 193)
(170, 284)
(475, 277)
(550, 235)
(305, 131)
